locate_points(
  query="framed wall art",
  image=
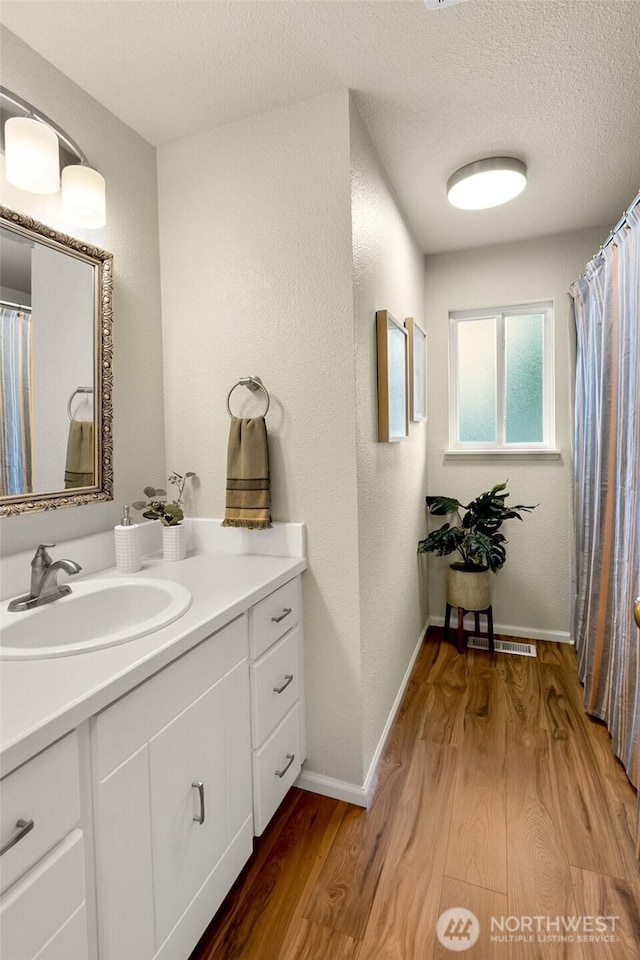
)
(393, 407)
(417, 343)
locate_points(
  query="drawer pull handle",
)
(290, 757)
(24, 827)
(288, 677)
(285, 613)
(200, 788)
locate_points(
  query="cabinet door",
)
(124, 862)
(190, 750)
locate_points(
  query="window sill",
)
(534, 454)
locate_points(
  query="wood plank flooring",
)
(496, 793)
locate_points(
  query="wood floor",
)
(497, 793)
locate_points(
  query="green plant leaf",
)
(441, 506)
(444, 540)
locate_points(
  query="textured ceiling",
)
(554, 82)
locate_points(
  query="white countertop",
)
(43, 699)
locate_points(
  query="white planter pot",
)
(173, 543)
(470, 589)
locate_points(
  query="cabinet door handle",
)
(290, 757)
(200, 788)
(288, 677)
(285, 613)
(24, 827)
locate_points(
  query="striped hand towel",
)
(80, 455)
(248, 494)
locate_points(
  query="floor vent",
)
(503, 646)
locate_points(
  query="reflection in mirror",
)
(55, 368)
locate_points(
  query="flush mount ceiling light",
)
(487, 183)
(35, 150)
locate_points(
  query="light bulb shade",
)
(32, 157)
(487, 183)
(83, 196)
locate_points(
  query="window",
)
(501, 380)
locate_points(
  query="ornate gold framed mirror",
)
(56, 368)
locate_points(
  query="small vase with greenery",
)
(476, 534)
(156, 507)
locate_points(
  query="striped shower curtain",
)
(607, 488)
(15, 402)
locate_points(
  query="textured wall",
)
(128, 164)
(532, 591)
(388, 273)
(255, 238)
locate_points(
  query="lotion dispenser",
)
(128, 551)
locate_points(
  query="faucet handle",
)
(41, 555)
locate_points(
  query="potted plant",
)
(170, 514)
(476, 537)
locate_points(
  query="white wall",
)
(280, 237)
(129, 166)
(388, 273)
(532, 592)
(255, 238)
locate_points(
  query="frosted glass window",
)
(397, 383)
(477, 380)
(501, 379)
(524, 368)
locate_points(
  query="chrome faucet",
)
(44, 580)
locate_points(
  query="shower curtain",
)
(15, 402)
(607, 488)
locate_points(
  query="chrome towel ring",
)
(76, 391)
(253, 384)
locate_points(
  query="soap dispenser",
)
(128, 550)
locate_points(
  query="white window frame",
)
(500, 446)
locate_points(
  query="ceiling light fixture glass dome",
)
(487, 183)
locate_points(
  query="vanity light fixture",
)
(487, 183)
(32, 155)
(36, 148)
(83, 196)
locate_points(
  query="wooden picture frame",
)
(417, 343)
(393, 405)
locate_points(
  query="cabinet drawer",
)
(275, 685)
(273, 616)
(39, 905)
(70, 942)
(45, 790)
(274, 756)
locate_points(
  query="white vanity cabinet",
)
(173, 800)
(277, 698)
(42, 870)
(144, 808)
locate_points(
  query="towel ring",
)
(253, 384)
(76, 391)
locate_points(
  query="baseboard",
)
(527, 633)
(370, 779)
(329, 787)
(361, 796)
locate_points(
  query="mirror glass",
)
(55, 368)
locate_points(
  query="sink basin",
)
(96, 614)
